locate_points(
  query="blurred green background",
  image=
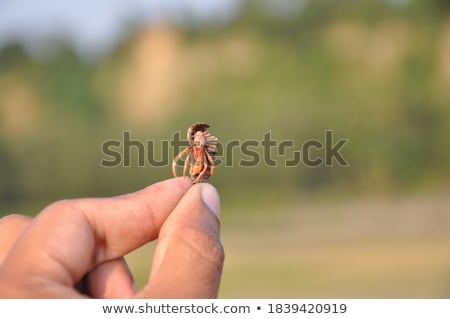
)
(374, 72)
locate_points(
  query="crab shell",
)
(203, 127)
(211, 141)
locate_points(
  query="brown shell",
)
(195, 128)
(212, 141)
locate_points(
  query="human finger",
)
(189, 257)
(11, 226)
(69, 238)
(111, 279)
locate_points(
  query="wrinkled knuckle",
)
(214, 251)
(206, 244)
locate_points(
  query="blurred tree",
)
(10, 192)
(68, 85)
(13, 57)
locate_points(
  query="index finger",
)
(70, 237)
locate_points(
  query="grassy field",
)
(368, 248)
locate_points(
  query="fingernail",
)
(211, 198)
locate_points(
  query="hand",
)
(75, 248)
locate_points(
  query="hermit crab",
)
(200, 153)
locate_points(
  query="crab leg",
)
(175, 160)
(211, 161)
(186, 164)
(200, 175)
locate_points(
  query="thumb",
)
(189, 257)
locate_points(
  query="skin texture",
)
(75, 248)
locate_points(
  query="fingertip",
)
(15, 221)
(183, 180)
(210, 198)
(182, 183)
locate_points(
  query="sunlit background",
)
(74, 74)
